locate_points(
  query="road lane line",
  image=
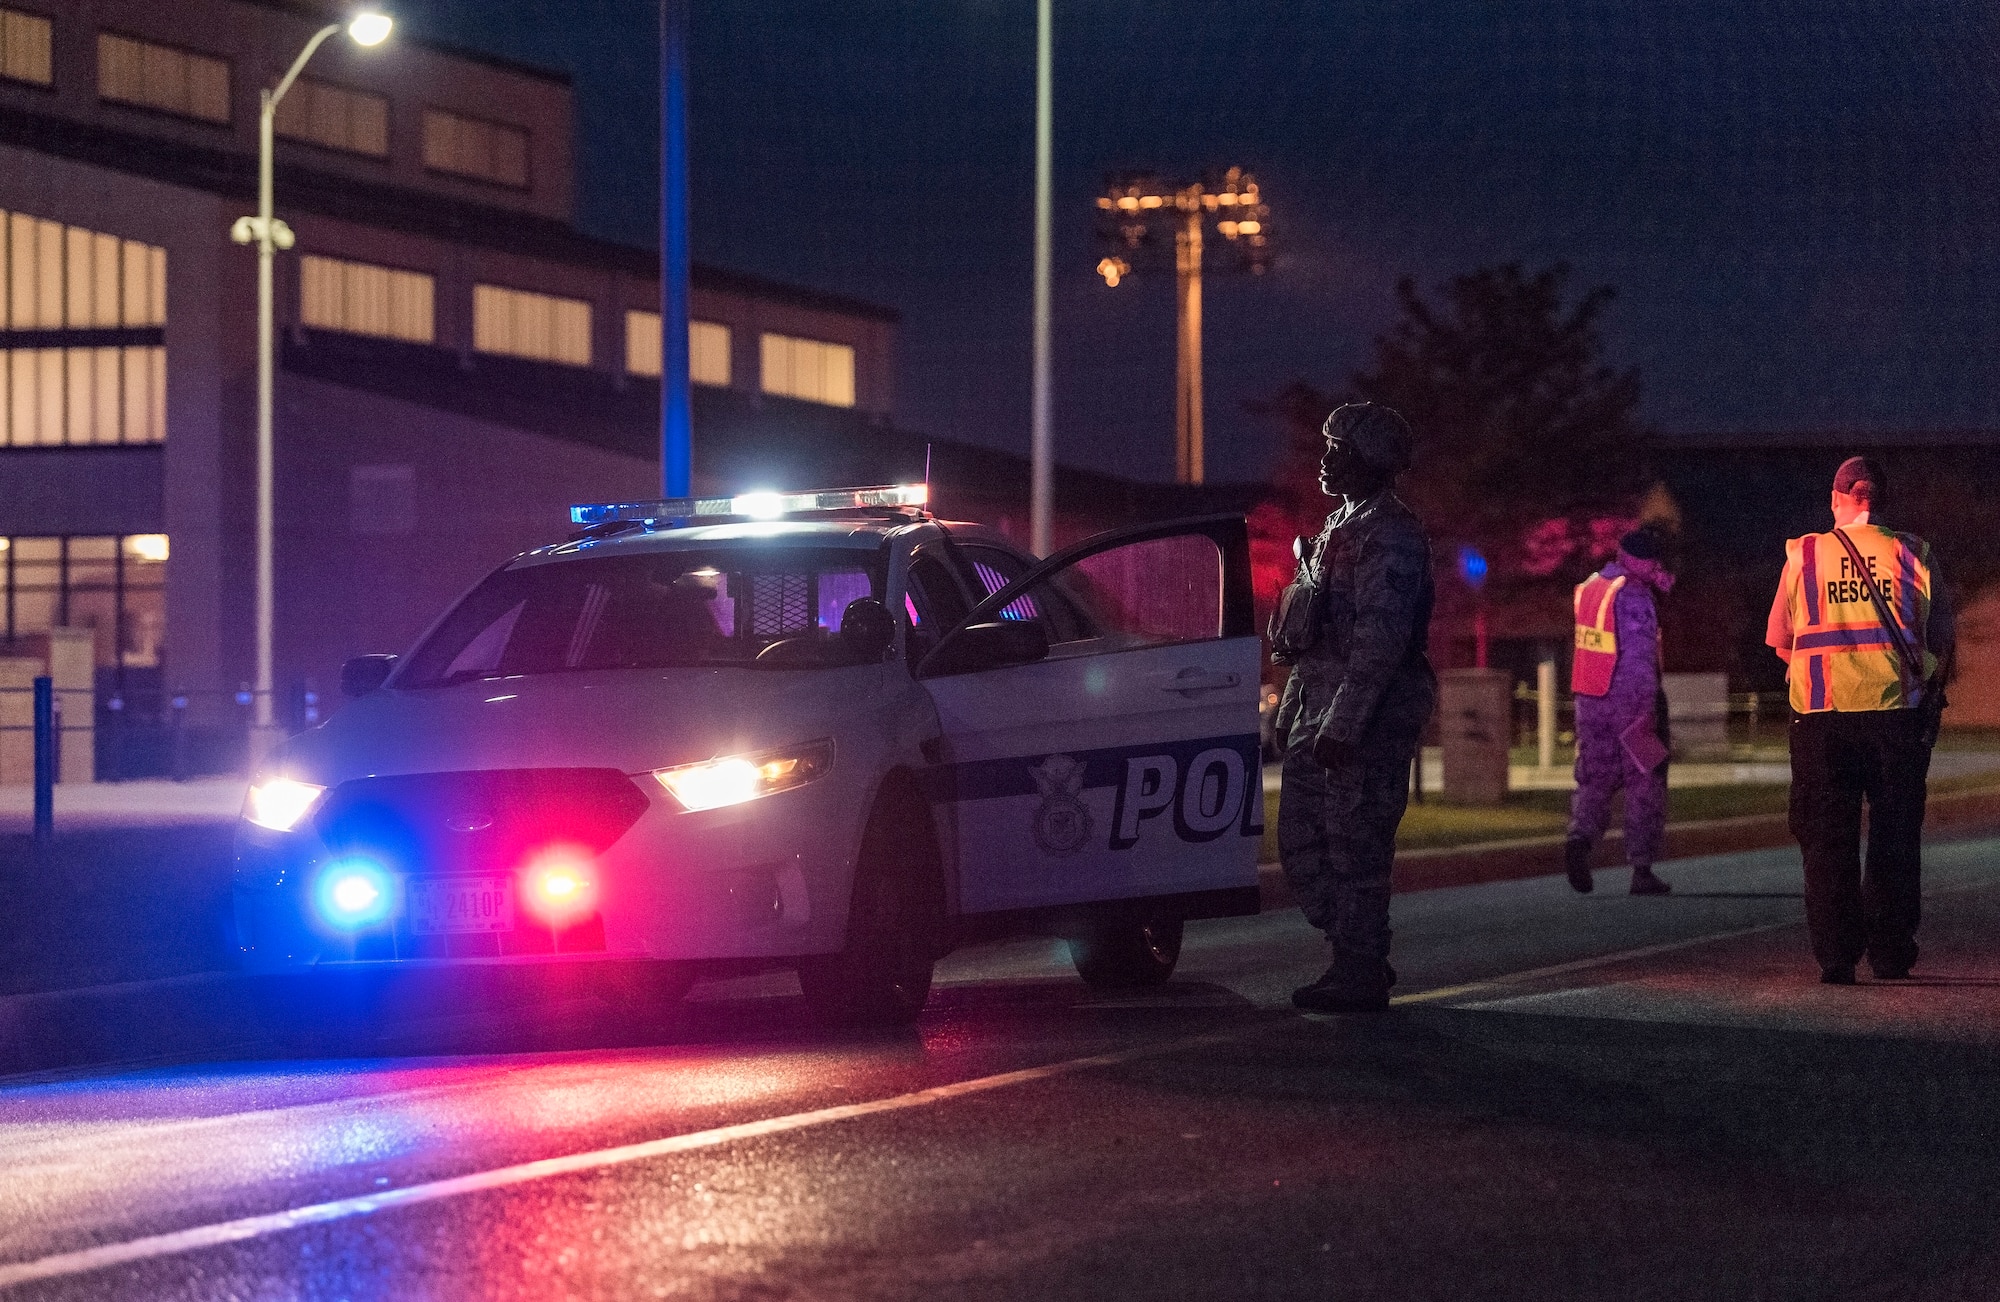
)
(1585, 964)
(85, 1260)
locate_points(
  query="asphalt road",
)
(1575, 1097)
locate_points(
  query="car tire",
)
(895, 922)
(1128, 949)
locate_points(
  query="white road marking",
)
(85, 1260)
(1585, 964)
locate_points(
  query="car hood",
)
(631, 720)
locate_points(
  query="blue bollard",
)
(45, 760)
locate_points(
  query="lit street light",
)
(367, 28)
(1131, 212)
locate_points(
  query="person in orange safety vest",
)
(1864, 626)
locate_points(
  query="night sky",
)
(1797, 200)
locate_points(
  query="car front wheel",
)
(895, 923)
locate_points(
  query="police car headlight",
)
(734, 779)
(279, 803)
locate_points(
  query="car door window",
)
(1150, 592)
(933, 603)
(1061, 618)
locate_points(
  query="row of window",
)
(52, 396)
(167, 79)
(56, 277)
(81, 358)
(360, 298)
(113, 585)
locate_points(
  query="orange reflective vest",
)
(1843, 658)
(1596, 635)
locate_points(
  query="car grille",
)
(485, 821)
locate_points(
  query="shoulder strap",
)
(1908, 666)
(1616, 586)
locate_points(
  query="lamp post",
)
(1041, 440)
(676, 398)
(367, 28)
(1132, 212)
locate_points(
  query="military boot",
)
(1576, 861)
(1645, 883)
(1349, 987)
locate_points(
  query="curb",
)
(1948, 817)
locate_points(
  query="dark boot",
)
(1349, 987)
(1840, 974)
(1576, 862)
(1644, 883)
(1893, 965)
(1326, 978)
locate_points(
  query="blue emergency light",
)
(754, 506)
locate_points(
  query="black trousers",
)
(1839, 759)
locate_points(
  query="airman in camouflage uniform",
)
(1354, 626)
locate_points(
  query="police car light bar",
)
(754, 506)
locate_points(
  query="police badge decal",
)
(1062, 822)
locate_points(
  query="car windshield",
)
(652, 610)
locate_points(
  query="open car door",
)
(1099, 720)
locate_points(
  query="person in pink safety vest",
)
(1620, 712)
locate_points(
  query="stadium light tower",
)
(1133, 212)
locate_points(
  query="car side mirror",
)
(365, 674)
(867, 629)
(988, 646)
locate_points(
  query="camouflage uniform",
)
(1367, 681)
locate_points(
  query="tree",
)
(1529, 446)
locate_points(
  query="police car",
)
(821, 730)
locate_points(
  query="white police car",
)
(821, 730)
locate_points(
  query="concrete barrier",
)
(1476, 727)
(1698, 710)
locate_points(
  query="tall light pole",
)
(1132, 212)
(367, 28)
(1041, 451)
(676, 398)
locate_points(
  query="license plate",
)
(453, 904)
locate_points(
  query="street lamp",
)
(368, 27)
(1132, 211)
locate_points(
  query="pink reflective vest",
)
(1596, 635)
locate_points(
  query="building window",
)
(162, 77)
(366, 300)
(113, 585)
(82, 336)
(26, 45)
(484, 151)
(335, 117)
(540, 326)
(809, 369)
(708, 348)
